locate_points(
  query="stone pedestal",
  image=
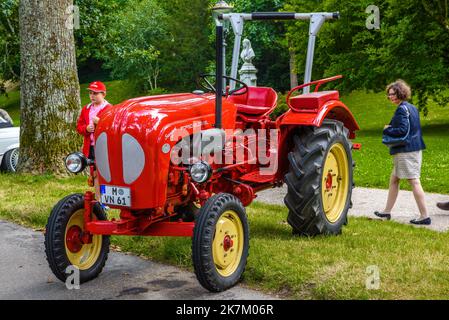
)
(248, 74)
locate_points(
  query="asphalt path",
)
(366, 201)
(25, 274)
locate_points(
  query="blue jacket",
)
(399, 126)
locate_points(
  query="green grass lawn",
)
(412, 262)
(118, 91)
(373, 162)
(371, 110)
(11, 103)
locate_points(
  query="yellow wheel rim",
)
(80, 255)
(335, 182)
(227, 247)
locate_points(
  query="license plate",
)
(117, 196)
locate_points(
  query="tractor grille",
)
(102, 157)
(133, 158)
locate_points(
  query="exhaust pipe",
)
(219, 76)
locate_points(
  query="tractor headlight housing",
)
(76, 162)
(200, 172)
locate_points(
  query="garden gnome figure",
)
(248, 71)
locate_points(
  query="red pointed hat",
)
(97, 86)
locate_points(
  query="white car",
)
(9, 148)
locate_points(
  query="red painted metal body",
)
(165, 229)
(152, 121)
(163, 188)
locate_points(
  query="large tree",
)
(49, 85)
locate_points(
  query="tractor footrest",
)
(258, 177)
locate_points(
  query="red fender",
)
(312, 108)
(333, 109)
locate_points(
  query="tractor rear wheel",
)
(220, 242)
(64, 246)
(320, 179)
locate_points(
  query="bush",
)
(157, 91)
(282, 106)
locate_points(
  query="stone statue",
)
(247, 54)
(248, 71)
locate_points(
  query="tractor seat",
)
(312, 101)
(256, 103)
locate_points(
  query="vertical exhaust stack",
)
(219, 76)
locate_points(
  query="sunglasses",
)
(94, 93)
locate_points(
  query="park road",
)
(25, 274)
(366, 201)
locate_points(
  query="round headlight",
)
(200, 172)
(75, 162)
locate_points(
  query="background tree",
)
(439, 10)
(134, 42)
(268, 40)
(410, 44)
(94, 35)
(49, 86)
(187, 51)
(9, 42)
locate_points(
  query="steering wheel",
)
(204, 83)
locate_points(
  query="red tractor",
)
(144, 167)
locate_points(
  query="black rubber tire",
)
(203, 236)
(55, 238)
(304, 201)
(8, 164)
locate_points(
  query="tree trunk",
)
(293, 74)
(50, 90)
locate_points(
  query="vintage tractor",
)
(188, 165)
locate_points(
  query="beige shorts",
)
(407, 165)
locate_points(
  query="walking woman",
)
(407, 158)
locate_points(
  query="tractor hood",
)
(134, 140)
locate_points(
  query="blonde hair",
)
(401, 89)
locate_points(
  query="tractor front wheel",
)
(64, 245)
(320, 179)
(220, 242)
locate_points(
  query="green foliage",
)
(411, 44)
(96, 24)
(281, 107)
(156, 92)
(134, 41)
(186, 51)
(268, 41)
(118, 91)
(168, 43)
(9, 42)
(11, 103)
